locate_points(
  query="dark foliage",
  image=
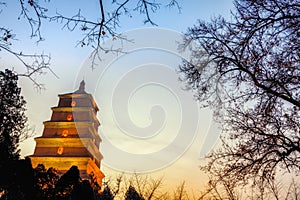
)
(106, 194)
(132, 194)
(12, 116)
(67, 182)
(83, 190)
(69, 186)
(17, 180)
(12, 124)
(45, 181)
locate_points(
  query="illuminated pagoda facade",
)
(71, 137)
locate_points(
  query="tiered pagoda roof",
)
(71, 137)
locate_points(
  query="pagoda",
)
(71, 137)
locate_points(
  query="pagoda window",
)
(65, 133)
(69, 117)
(60, 150)
(73, 103)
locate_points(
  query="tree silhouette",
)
(83, 190)
(13, 122)
(132, 194)
(67, 182)
(106, 194)
(45, 181)
(48, 185)
(12, 116)
(180, 193)
(248, 71)
(17, 180)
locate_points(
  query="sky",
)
(150, 124)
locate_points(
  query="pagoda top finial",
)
(82, 86)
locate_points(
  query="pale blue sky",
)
(68, 61)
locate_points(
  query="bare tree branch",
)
(251, 80)
(94, 30)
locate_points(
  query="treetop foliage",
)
(132, 194)
(12, 130)
(12, 116)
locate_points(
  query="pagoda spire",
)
(82, 86)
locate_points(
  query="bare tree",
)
(180, 192)
(219, 188)
(108, 22)
(293, 191)
(147, 188)
(35, 64)
(248, 70)
(106, 25)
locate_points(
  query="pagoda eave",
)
(64, 124)
(80, 95)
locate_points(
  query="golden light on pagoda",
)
(65, 133)
(69, 117)
(81, 148)
(60, 150)
(73, 103)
